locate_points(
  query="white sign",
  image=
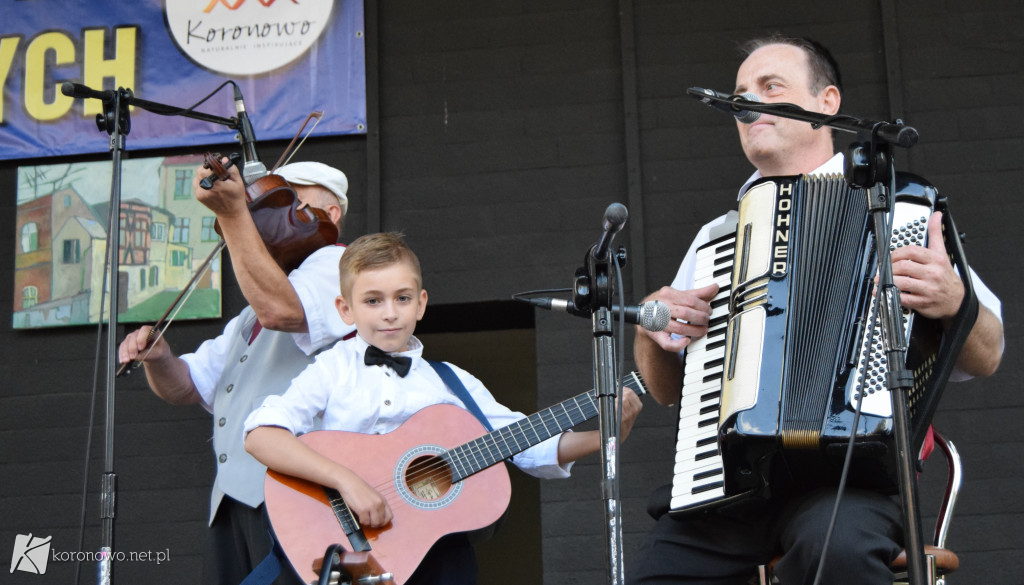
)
(246, 37)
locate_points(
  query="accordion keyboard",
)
(698, 471)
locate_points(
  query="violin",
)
(290, 229)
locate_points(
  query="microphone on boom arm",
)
(727, 103)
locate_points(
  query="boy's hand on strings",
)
(368, 505)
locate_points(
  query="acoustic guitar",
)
(437, 472)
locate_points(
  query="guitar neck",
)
(503, 443)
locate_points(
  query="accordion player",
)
(769, 394)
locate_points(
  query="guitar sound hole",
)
(428, 478)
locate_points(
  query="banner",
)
(287, 57)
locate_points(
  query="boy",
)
(382, 295)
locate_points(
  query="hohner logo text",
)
(780, 243)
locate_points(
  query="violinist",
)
(289, 318)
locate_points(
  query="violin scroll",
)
(211, 160)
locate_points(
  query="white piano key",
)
(698, 382)
(685, 472)
(698, 400)
(705, 358)
(693, 466)
(692, 488)
(690, 500)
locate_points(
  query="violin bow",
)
(165, 321)
(289, 152)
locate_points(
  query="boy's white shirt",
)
(352, 396)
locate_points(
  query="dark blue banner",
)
(288, 58)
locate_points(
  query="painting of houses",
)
(164, 235)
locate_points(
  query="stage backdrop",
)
(288, 58)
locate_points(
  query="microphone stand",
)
(869, 173)
(868, 166)
(592, 292)
(116, 121)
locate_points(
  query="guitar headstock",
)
(634, 382)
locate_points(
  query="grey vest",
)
(251, 373)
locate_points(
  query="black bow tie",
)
(376, 357)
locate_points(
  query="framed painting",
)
(61, 243)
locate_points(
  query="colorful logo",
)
(235, 5)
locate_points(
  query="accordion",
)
(769, 394)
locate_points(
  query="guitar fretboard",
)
(348, 520)
(481, 453)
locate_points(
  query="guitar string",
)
(478, 453)
(480, 449)
(440, 469)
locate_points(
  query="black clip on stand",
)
(116, 121)
(592, 293)
(868, 166)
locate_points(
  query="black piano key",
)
(707, 422)
(712, 440)
(708, 487)
(711, 377)
(706, 455)
(707, 474)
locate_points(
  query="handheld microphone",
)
(722, 103)
(652, 315)
(615, 217)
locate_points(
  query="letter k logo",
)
(30, 554)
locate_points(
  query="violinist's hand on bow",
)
(136, 347)
(226, 198)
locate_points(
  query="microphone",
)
(252, 169)
(77, 90)
(652, 315)
(615, 217)
(721, 103)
